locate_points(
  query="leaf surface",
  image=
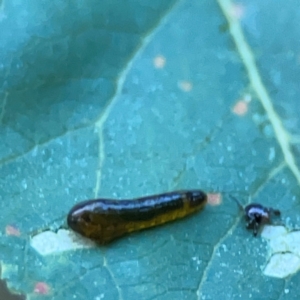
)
(126, 99)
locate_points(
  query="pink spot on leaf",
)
(41, 288)
(214, 199)
(11, 230)
(242, 106)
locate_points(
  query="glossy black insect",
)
(257, 215)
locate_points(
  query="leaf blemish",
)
(12, 230)
(49, 242)
(185, 86)
(241, 107)
(41, 288)
(159, 61)
(214, 199)
(284, 247)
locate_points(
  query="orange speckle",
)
(185, 85)
(214, 199)
(159, 61)
(242, 105)
(41, 288)
(11, 230)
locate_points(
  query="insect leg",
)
(275, 212)
(255, 228)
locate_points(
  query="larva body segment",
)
(104, 220)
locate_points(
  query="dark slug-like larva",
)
(104, 220)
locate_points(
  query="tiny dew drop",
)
(24, 184)
(271, 154)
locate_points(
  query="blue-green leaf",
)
(123, 99)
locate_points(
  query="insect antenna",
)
(238, 202)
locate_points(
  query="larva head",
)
(83, 219)
(197, 198)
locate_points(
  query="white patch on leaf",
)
(284, 250)
(49, 242)
(282, 265)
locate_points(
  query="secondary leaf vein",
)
(282, 135)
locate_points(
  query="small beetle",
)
(257, 215)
